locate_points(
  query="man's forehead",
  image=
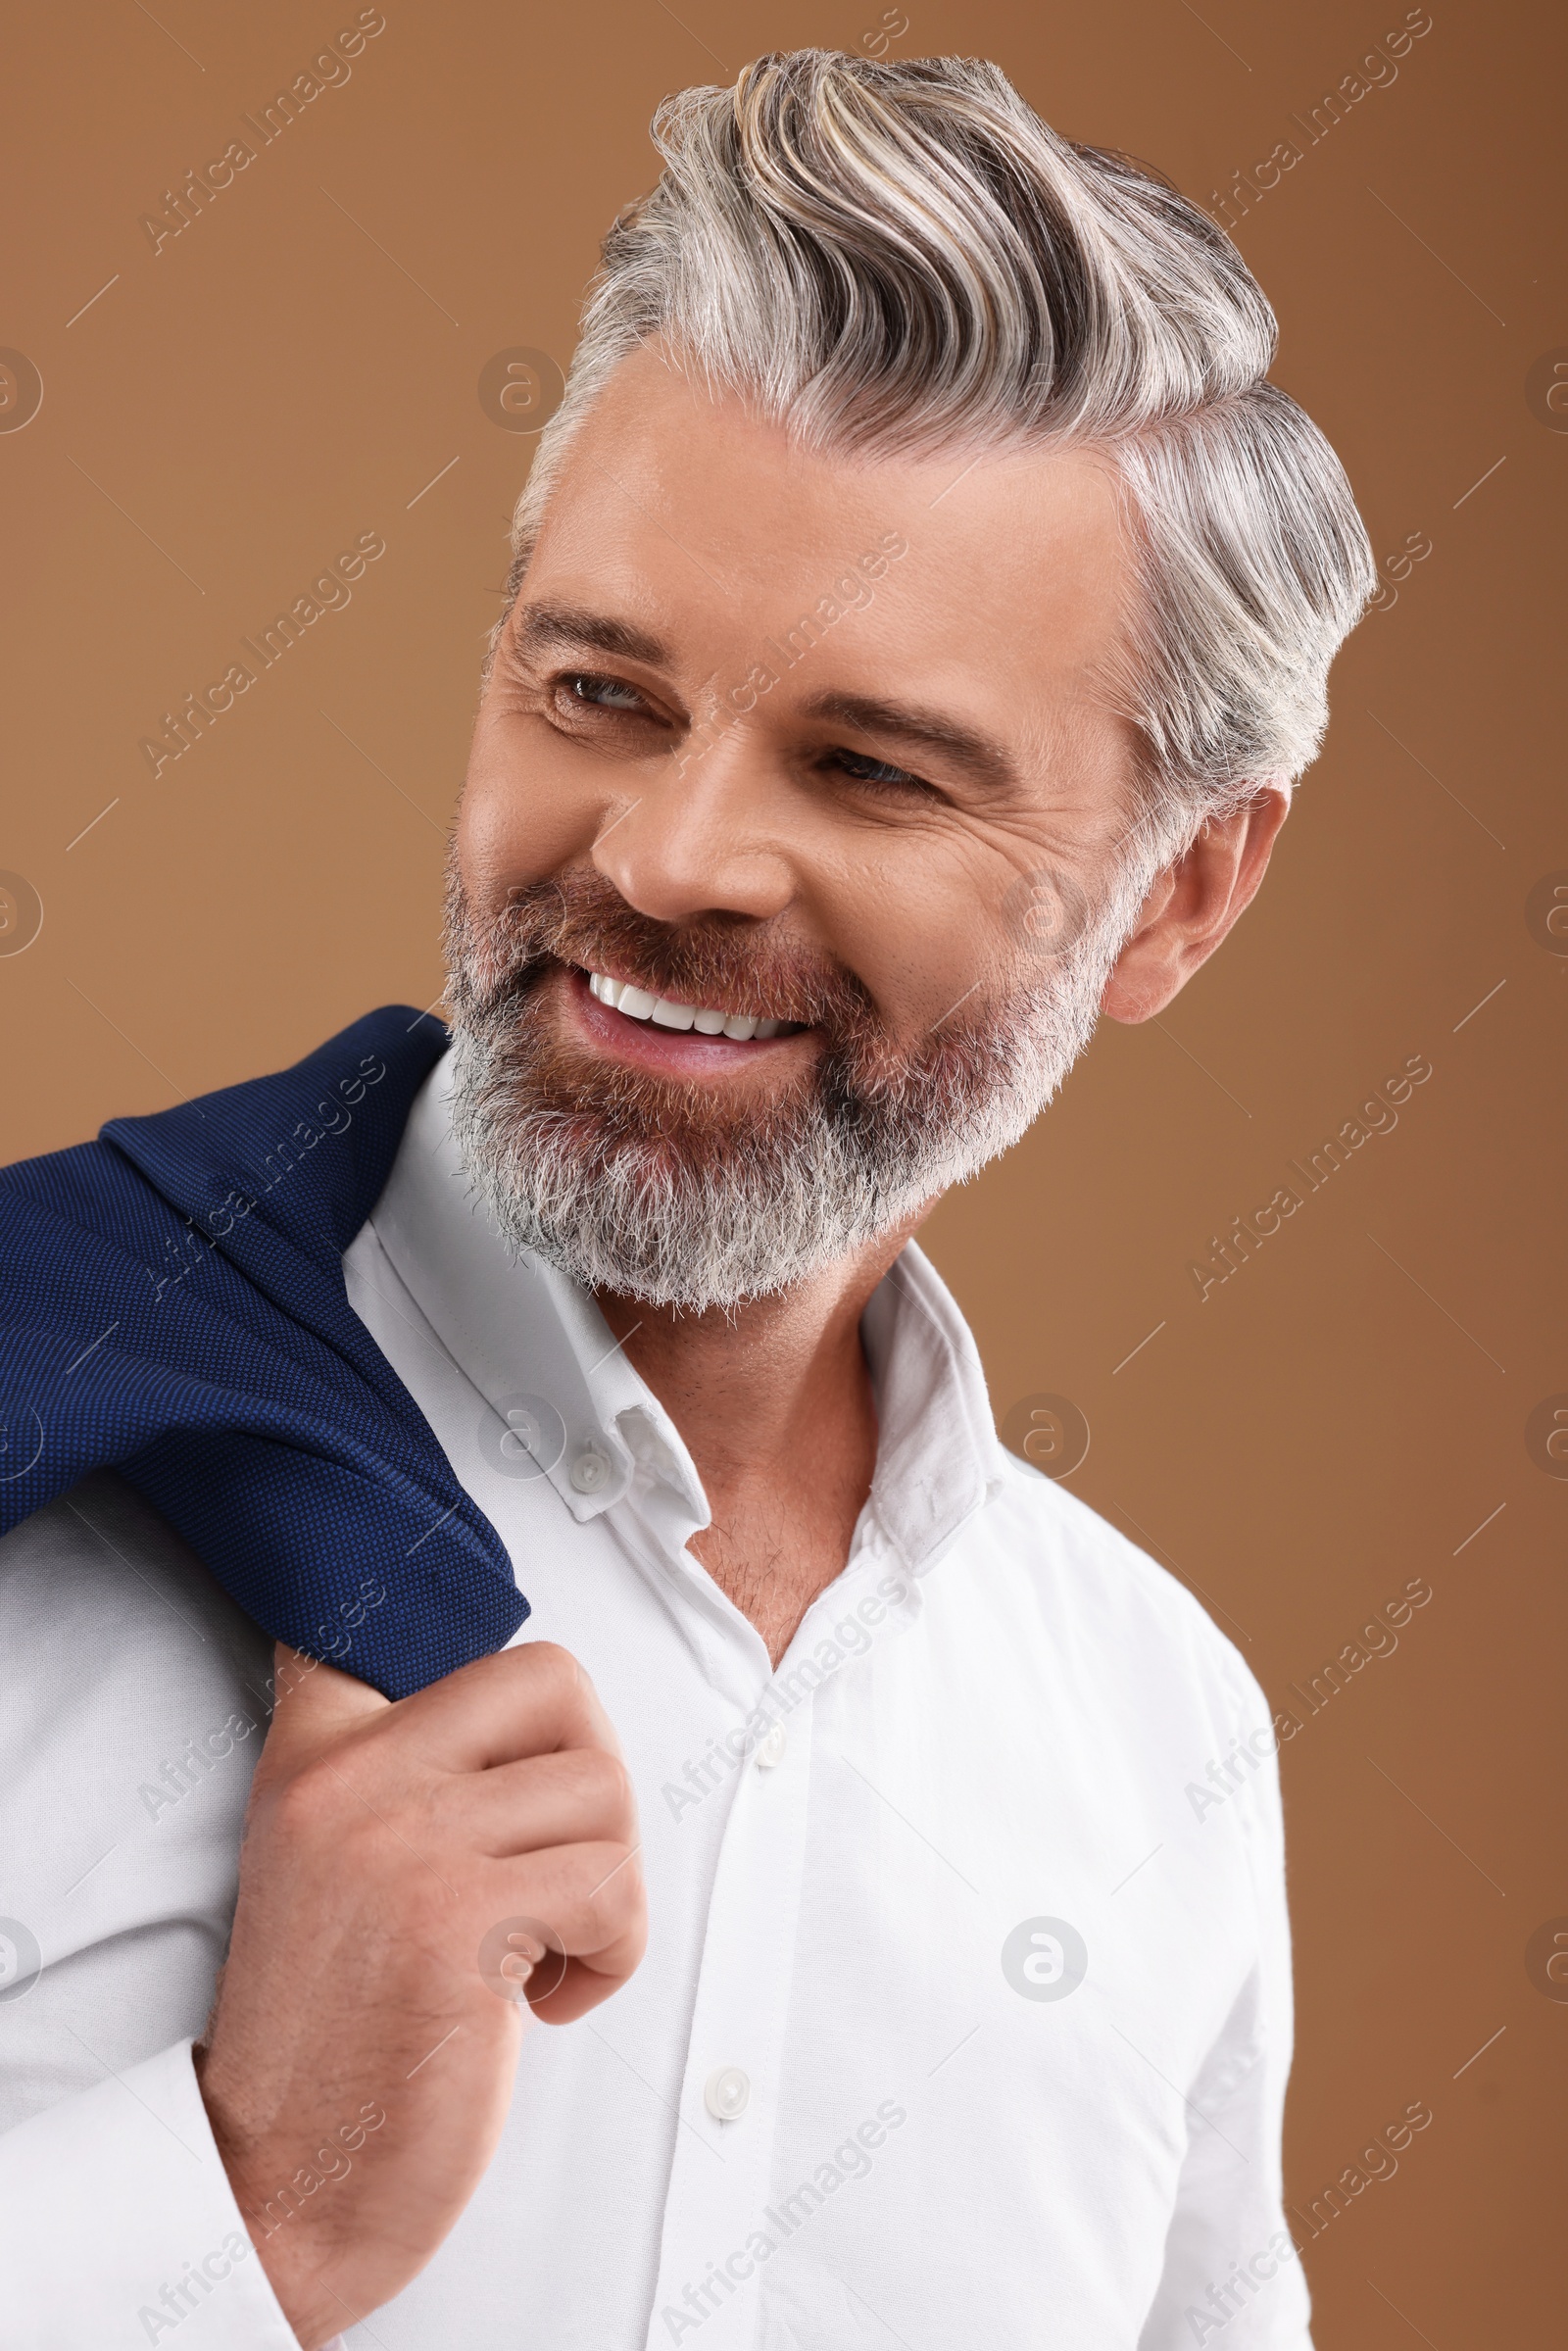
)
(682, 515)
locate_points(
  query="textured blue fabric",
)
(172, 1305)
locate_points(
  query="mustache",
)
(580, 918)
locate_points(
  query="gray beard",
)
(620, 1197)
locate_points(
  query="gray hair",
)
(900, 257)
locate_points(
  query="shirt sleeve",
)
(119, 2227)
(1232, 2274)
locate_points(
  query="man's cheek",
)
(524, 813)
(917, 921)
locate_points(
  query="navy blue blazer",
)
(171, 1306)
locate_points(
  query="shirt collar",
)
(560, 1394)
(939, 1458)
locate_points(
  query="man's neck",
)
(773, 1401)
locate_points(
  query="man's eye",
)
(604, 693)
(874, 771)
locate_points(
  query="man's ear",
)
(1192, 906)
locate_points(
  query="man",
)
(921, 611)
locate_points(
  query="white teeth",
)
(639, 1003)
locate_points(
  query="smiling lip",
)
(664, 1034)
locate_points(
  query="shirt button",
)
(770, 1750)
(726, 2094)
(590, 1471)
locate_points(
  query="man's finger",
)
(589, 1900)
(529, 1700)
(565, 1798)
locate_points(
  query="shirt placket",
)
(710, 2282)
(729, 2096)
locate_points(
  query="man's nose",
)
(706, 836)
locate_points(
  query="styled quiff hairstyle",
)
(889, 258)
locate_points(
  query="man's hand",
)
(359, 2062)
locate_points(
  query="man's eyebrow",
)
(548, 627)
(984, 758)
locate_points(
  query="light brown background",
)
(1338, 1418)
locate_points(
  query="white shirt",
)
(995, 2016)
